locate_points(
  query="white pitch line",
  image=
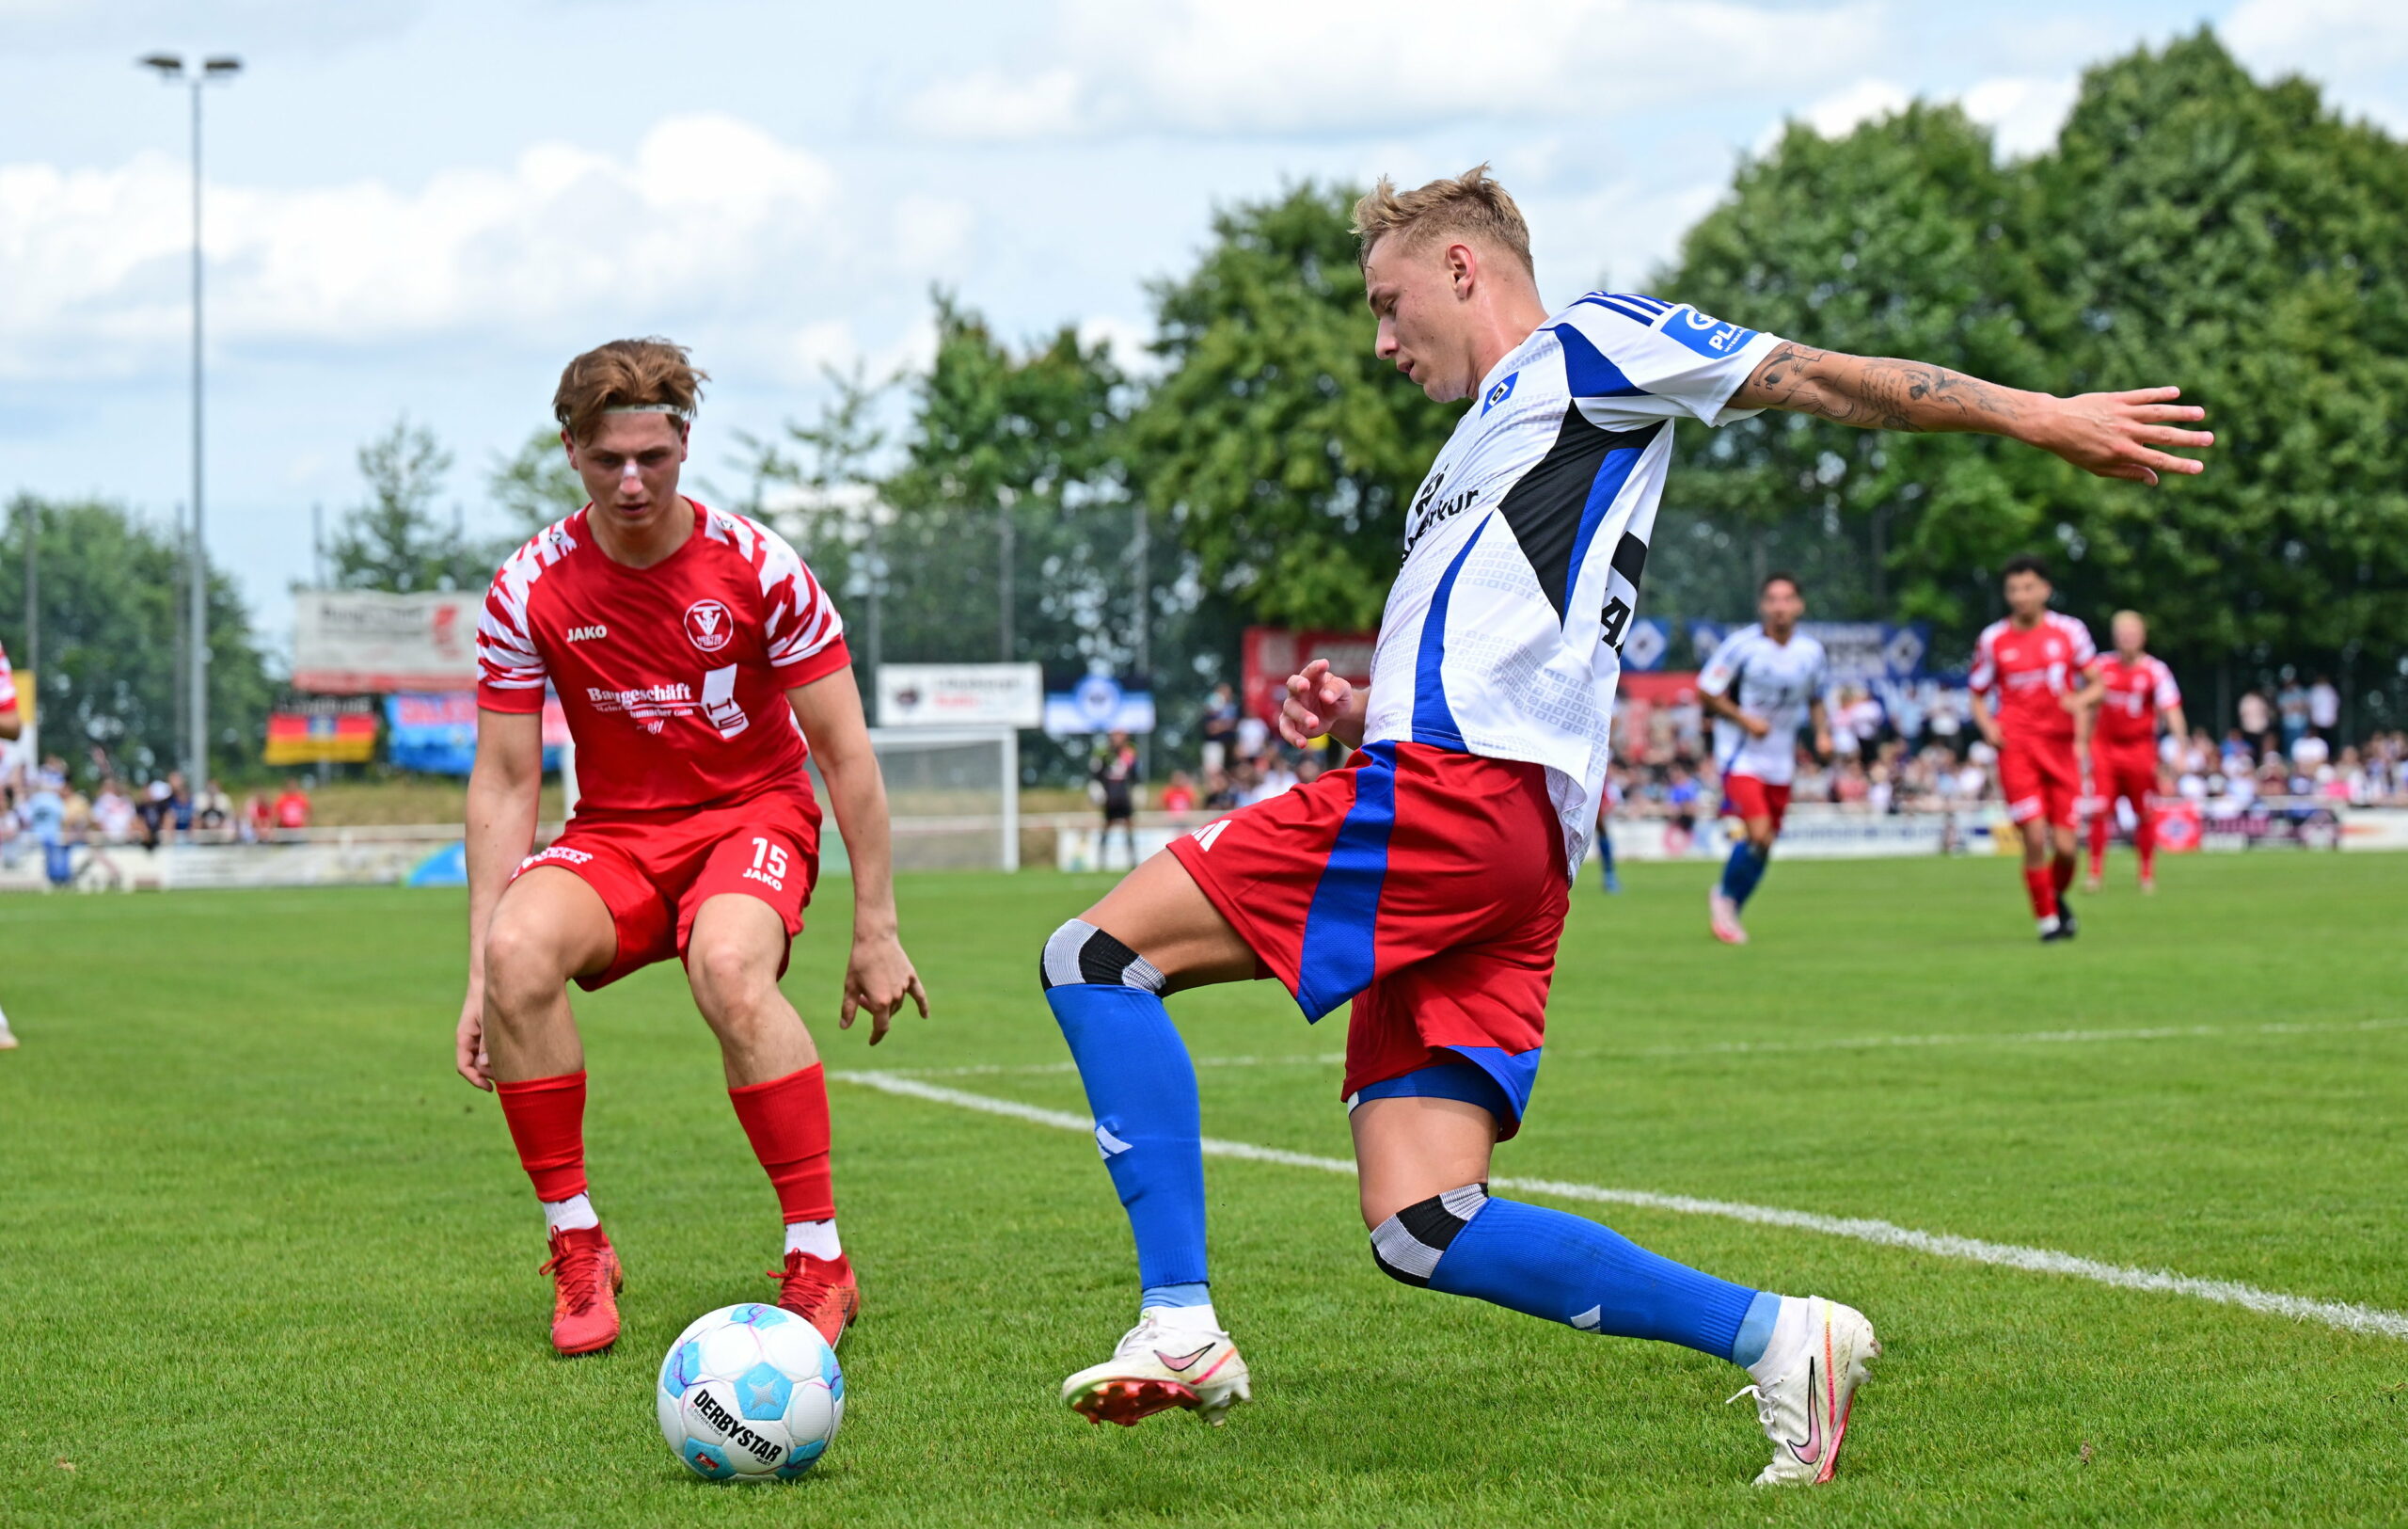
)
(2346, 1316)
(1742, 1048)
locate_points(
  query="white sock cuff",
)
(574, 1213)
(814, 1239)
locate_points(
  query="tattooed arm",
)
(2112, 434)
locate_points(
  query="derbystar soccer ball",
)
(749, 1393)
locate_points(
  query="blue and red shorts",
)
(1745, 796)
(1427, 886)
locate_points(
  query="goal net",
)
(952, 797)
(952, 794)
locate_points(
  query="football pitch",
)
(263, 1258)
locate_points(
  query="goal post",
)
(952, 799)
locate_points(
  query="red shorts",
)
(654, 869)
(2041, 781)
(1426, 886)
(1745, 796)
(2127, 772)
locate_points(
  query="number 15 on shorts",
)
(768, 862)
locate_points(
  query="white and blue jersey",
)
(1778, 682)
(1524, 544)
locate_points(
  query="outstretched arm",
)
(2113, 435)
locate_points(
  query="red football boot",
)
(822, 1291)
(586, 1281)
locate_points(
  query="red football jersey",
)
(674, 678)
(2136, 693)
(2029, 674)
(8, 683)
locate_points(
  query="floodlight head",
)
(222, 65)
(170, 66)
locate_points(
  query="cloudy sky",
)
(427, 205)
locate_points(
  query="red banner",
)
(298, 738)
(1273, 653)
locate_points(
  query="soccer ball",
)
(749, 1393)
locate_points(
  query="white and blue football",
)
(749, 1393)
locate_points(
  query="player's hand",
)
(2123, 434)
(878, 979)
(1753, 725)
(468, 1040)
(1318, 703)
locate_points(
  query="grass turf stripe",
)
(2343, 1315)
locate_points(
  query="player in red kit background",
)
(2135, 691)
(697, 660)
(2032, 699)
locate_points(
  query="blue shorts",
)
(1466, 1081)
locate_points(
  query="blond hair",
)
(1471, 206)
(654, 374)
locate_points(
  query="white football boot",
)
(1806, 1386)
(1723, 917)
(1162, 1363)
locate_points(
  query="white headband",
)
(671, 409)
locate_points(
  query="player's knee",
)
(521, 965)
(1408, 1245)
(1080, 952)
(730, 979)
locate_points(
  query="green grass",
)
(263, 1260)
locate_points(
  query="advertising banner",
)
(333, 729)
(360, 641)
(1097, 705)
(437, 734)
(1861, 652)
(1270, 654)
(960, 695)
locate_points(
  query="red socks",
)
(2145, 841)
(546, 1117)
(2100, 827)
(2038, 881)
(787, 1120)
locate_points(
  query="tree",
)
(1903, 238)
(395, 542)
(2244, 240)
(535, 486)
(831, 509)
(109, 583)
(1010, 517)
(1283, 452)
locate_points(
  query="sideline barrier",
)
(429, 854)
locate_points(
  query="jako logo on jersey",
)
(710, 625)
(588, 634)
(1503, 390)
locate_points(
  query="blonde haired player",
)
(697, 660)
(1425, 882)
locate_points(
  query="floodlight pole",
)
(170, 68)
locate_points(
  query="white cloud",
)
(2023, 113)
(93, 261)
(2356, 48)
(1841, 112)
(1265, 66)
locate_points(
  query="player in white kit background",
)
(1763, 684)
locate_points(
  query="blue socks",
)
(1141, 1089)
(1567, 1269)
(1742, 872)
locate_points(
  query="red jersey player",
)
(697, 659)
(2136, 690)
(2037, 664)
